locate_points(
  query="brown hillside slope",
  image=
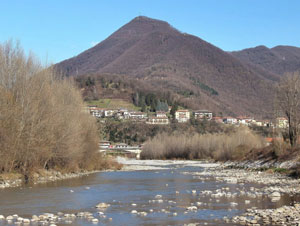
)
(153, 52)
(279, 60)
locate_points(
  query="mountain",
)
(279, 60)
(197, 73)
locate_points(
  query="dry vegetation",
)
(42, 122)
(229, 146)
(134, 133)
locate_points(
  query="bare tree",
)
(42, 122)
(288, 102)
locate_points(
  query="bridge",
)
(131, 151)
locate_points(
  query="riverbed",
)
(143, 193)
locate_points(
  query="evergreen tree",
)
(173, 110)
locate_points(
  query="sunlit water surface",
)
(122, 189)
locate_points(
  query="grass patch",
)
(10, 176)
(113, 104)
(281, 170)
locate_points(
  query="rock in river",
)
(102, 205)
(275, 194)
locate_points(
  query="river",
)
(138, 188)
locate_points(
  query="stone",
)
(95, 220)
(60, 214)
(102, 205)
(275, 194)
(9, 218)
(20, 219)
(192, 208)
(143, 214)
(26, 221)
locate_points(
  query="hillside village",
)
(182, 116)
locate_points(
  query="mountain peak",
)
(147, 19)
(154, 53)
(146, 24)
(261, 47)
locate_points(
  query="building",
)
(282, 123)
(160, 118)
(95, 111)
(218, 119)
(230, 120)
(137, 115)
(258, 123)
(121, 146)
(182, 115)
(104, 144)
(161, 114)
(203, 114)
(122, 113)
(109, 112)
(244, 120)
(267, 123)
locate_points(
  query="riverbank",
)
(264, 173)
(44, 176)
(135, 165)
(273, 185)
(285, 215)
(270, 182)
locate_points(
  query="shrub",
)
(217, 146)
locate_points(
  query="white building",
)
(282, 123)
(161, 114)
(182, 115)
(203, 114)
(109, 112)
(104, 144)
(244, 120)
(137, 115)
(230, 120)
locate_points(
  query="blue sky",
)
(59, 29)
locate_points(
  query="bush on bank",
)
(220, 146)
(42, 120)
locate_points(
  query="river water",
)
(140, 185)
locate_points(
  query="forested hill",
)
(163, 59)
(279, 60)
